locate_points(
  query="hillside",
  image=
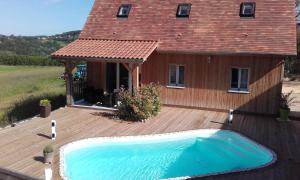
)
(26, 75)
(35, 45)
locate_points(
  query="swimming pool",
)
(175, 155)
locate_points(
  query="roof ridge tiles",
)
(135, 40)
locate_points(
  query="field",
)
(21, 88)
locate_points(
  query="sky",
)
(42, 17)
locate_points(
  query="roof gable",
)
(214, 26)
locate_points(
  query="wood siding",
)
(96, 75)
(207, 82)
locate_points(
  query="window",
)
(239, 79)
(247, 9)
(176, 75)
(124, 10)
(183, 10)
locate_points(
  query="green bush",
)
(151, 92)
(141, 105)
(48, 149)
(44, 102)
(14, 60)
(286, 100)
(29, 107)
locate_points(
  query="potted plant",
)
(48, 154)
(285, 102)
(45, 108)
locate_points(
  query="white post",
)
(230, 117)
(48, 174)
(118, 77)
(53, 126)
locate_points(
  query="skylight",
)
(124, 10)
(247, 9)
(183, 10)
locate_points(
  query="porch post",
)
(118, 77)
(69, 66)
(103, 75)
(135, 76)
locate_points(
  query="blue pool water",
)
(195, 153)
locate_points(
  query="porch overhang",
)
(123, 51)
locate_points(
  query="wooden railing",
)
(78, 89)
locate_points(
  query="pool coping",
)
(97, 139)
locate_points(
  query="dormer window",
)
(247, 9)
(124, 10)
(183, 10)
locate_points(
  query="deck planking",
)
(21, 146)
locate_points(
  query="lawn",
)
(21, 87)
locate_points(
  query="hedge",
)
(15, 60)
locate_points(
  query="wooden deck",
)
(21, 146)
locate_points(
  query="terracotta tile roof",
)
(214, 26)
(108, 49)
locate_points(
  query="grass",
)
(23, 86)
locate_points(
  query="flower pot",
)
(45, 111)
(48, 158)
(284, 114)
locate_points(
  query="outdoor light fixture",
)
(53, 126)
(209, 59)
(230, 117)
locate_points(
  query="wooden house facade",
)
(217, 55)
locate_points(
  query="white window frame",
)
(239, 90)
(177, 85)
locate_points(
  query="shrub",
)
(48, 149)
(15, 60)
(29, 106)
(141, 105)
(286, 100)
(44, 102)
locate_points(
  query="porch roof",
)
(116, 50)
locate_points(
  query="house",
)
(216, 54)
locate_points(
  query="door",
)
(111, 71)
(123, 77)
(111, 77)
